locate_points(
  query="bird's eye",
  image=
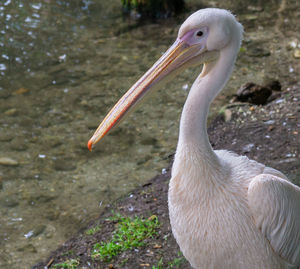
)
(199, 33)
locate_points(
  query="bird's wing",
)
(275, 205)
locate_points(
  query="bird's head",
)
(212, 29)
(200, 40)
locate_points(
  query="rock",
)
(20, 91)
(292, 45)
(297, 53)
(8, 161)
(253, 93)
(50, 231)
(38, 230)
(255, 8)
(41, 198)
(28, 248)
(250, 17)
(247, 148)
(4, 94)
(149, 141)
(258, 52)
(19, 144)
(11, 112)
(52, 214)
(274, 85)
(52, 141)
(10, 202)
(227, 115)
(5, 137)
(26, 122)
(92, 123)
(273, 96)
(64, 165)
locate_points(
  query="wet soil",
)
(269, 134)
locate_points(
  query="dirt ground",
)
(268, 134)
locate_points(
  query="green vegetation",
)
(130, 233)
(67, 253)
(68, 264)
(159, 265)
(242, 49)
(176, 262)
(172, 264)
(93, 230)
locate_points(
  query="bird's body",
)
(210, 215)
(226, 211)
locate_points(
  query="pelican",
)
(226, 211)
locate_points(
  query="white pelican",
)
(226, 211)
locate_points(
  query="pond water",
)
(63, 64)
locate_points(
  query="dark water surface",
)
(63, 64)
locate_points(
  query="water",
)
(63, 64)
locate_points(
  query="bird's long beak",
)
(171, 61)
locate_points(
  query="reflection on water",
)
(63, 64)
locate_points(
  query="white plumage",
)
(226, 211)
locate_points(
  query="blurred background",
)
(63, 64)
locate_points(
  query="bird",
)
(226, 211)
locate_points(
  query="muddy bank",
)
(268, 134)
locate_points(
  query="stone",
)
(255, 8)
(64, 165)
(50, 231)
(9, 202)
(39, 229)
(11, 112)
(258, 52)
(5, 137)
(297, 53)
(227, 115)
(20, 91)
(28, 248)
(18, 144)
(52, 214)
(8, 161)
(253, 93)
(52, 141)
(274, 85)
(149, 141)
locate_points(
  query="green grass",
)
(68, 264)
(176, 263)
(159, 265)
(130, 233)
(93, 230)
(172, 264)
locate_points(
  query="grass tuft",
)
(130, 233)
(68, 264)
(171, 264)
(93, 230)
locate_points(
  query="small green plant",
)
(69, 252)
(68, 264)
(159, 265)
(242, 49)
(93, 230)
(172, 264)
(130, 233)
(176, 262)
